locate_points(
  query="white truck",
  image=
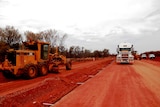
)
(124, 53)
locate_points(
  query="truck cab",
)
(151, 56)
(143, 56)
(124, 53)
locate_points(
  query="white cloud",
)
(95, 24)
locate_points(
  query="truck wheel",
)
(68, 66)
(43, 69)
(30, 71)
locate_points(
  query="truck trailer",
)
(124, 53)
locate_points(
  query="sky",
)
(92, 24)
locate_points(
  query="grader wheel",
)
(30, 71)
(68, 65)
(43, 69)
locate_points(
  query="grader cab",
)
(30, 62)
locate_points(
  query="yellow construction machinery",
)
(35, 59)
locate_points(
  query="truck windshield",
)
(125, 49)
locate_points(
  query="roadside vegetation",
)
(10, 37)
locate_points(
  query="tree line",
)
(12, 38)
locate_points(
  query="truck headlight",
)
(131, 58)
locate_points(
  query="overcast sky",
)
(93, 24)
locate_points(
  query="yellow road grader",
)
(32, 61)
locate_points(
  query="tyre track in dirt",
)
(81, 97)
(118, 85)
(128, 89)
(50, 88)
(151, 76)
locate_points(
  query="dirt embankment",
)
(47, 89)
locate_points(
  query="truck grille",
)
(124, 55)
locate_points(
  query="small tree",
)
(55, 38)
(50, 36)
(3, 48)
(87, 53)
(105, 52)
(9, 38)
(10, 35)
(33, 36)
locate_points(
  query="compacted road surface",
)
(118, 85)
(42, 91)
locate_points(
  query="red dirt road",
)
(47, 89)
(118, 85)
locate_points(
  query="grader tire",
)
(43, 69)
(30, 71)
(68, 66)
